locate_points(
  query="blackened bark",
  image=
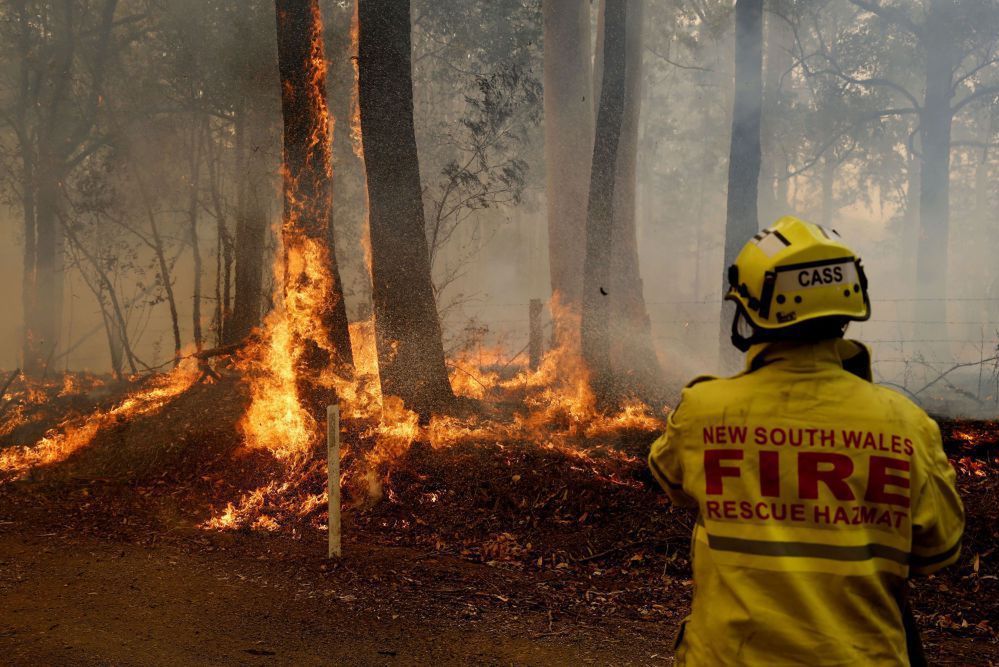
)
(308, 169)
(410, 351)
(742, 218)
(595, 324)
(568, 107)
(633, 357)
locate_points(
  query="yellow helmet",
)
(791, 273)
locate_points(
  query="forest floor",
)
(479, 553)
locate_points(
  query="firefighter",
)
(819, 493)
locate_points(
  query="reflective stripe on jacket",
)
(819, 492)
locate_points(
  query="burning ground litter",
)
(566, 507)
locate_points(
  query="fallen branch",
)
(221, 351)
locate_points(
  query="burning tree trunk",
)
(634, 360)
(312, 292)
(410, 351)
(568, 150)
(742, 219)
(595, 324)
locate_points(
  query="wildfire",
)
(276, 419)
(59, 444)
(559, 411)
(291, 368)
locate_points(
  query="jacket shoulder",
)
(700, 379)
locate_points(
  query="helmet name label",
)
(796, 279)
(826, 276)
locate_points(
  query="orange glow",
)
(59, 444)
(356, 141)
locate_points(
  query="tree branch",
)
(829, 143)
(978, 94)
(668, 60)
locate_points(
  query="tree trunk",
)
(568, 108)
(742, 219)
(28, 287)
(773, 184)
(312, 287)
(633, 356)
(906, 283)
(595, 323)
(410, 351)
(934, 187)
(164, 268)
(255, 196)
(828, 179)
(43, 327)
(192, 220)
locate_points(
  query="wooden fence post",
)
(536, 341)
(333, 477)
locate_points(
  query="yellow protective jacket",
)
(819, 492)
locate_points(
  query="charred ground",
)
(525, 552)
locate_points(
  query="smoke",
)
(478, 73)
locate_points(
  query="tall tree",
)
(955, 45)
(633, 357)
(742, 218)
(408, 333)
(774, 167)
(55, 95)
(939, 39)
(595, 323)
(256, 163)
(568, 108)
(311, 273)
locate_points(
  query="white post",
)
(333, 481)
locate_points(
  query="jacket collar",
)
(849, 355)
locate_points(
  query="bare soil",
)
(80, 601)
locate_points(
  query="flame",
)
(356, 140)
(276, 419)
(559, 413)
(60, 444)
(558, 407)
(475, 374)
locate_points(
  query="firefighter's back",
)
(818, 492)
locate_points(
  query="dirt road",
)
(90, 602)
